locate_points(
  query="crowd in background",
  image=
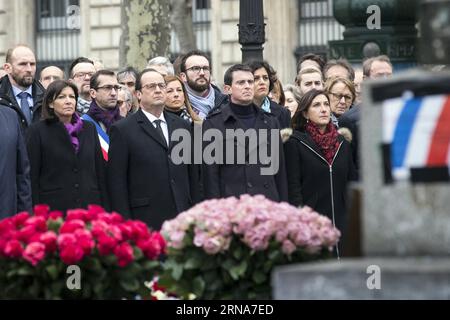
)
(94, 136)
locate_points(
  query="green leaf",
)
(52, 271)
(151, 264)
(238, 270)
(137, 253)
(177, 271)
(198, 286)
(237, 253)
(192, 263)
(25, 271)
(259, 277)
(130, 285)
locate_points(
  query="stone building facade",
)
(60, 30)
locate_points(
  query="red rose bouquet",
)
(113, 257)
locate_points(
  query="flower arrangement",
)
(115, 257)
(227, 248)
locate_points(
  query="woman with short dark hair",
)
(67, 168)
(318, 160)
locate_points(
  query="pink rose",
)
(151, 249)
(126, 230)
(13, 249)
(93, 211)
(116, 218)
(106, 244)
(41, 210)
(66, 239)
(55, 215)
(124, 254)
(20, 218)
(76, 214)
(288, 247)
(39, 223)
(85, 240)
(72, 225)
(34, 253)
(49, 240)
(26, 233)
(71, 254)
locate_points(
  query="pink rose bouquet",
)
(115, 257)
(227, 248)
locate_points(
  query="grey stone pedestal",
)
(409, 278)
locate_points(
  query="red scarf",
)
(327, 142)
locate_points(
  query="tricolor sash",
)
(102, 136)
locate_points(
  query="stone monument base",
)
(377, 278)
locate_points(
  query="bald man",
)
(51, 74)
(19, 90)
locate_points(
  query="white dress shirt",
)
(164, 127)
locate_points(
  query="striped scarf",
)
(202, 105)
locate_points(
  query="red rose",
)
(26, 233)
(13, 249)
(150, 249)
(55, 215)
(140, 230)
(49, 240)
(116, 218)
(127, 231)
(35, 237)
(41, 210)
(72, 225)
(66, 239)
(34, 252)
(20, 218)
(99, 228)
(71, 254)
(124, 254)
(6, 225)
(115, 232)
(106, 244)
(76, 214)
(106, 217)
(93, 211)
(85, 241)
(157, 237)
(39, 222)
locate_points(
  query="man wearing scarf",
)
(196, 74)
(104, 110)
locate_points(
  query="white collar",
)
(152, 118)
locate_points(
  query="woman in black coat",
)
(67, 169)
(318, 160)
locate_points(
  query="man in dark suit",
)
(19, 90)
(246, 176)
(144, 183)
(15, 186)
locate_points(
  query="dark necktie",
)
(159, 129)
(25, 106)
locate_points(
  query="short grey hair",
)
(162, 61)
(295, 91)
(128, 95)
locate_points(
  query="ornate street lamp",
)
(251, 29)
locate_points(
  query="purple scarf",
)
(73, 129)
(105, 116)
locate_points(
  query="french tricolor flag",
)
(416, 138)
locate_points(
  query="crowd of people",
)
(100, 137)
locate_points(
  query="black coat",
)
(350, 120)
(7, 99)
(143, 181)
(60, 177)
(313, 182)
(225, 180)
(15, 187)
(282, 114)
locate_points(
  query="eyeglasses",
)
(340, 96)
(197, 69)
(109, 88)
(152, 86)
(82, 75)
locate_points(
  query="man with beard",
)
(19, 90)
(196, 73)
(104, 110)
(80, 73)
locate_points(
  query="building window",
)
(52, 14)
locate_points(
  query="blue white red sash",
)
(102, 136)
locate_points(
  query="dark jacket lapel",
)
(148, 127)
